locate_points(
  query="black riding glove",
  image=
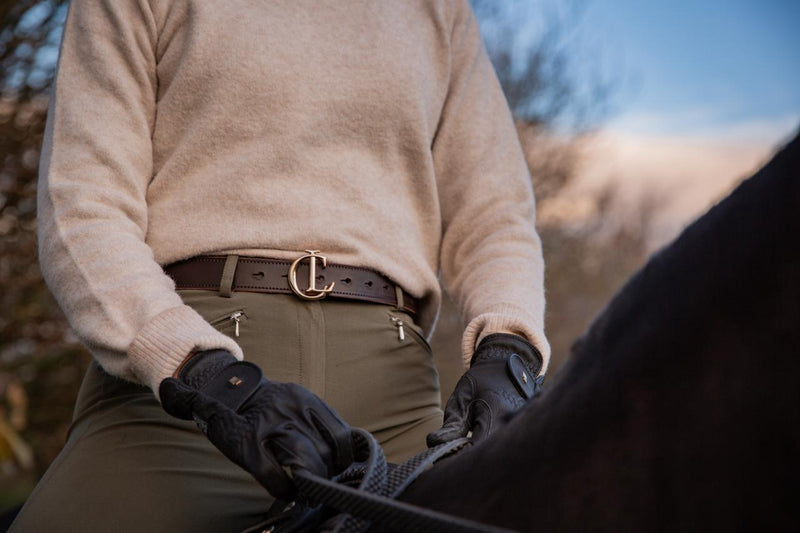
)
(501, 378)
(260, 425)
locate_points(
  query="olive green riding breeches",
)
(128, 466)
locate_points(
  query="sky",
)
(703, 66)
(703, 93)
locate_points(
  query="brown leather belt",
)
(256, 274)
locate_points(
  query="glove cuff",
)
(202, 367)
(503, 345)
(213, 374)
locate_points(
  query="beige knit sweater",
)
(373, 130)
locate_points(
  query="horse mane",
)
(679, 407)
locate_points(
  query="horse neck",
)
(679, 381)
(691, 370)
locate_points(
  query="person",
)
(283, 182)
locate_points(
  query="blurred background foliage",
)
(41, 362)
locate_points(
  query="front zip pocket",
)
(232, 319)
(403, 327)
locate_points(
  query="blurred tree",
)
(36, 348)
(38, 352)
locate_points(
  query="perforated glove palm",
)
(501, 378)
(260, 425)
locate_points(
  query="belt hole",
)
(368, 283)
(346, 280)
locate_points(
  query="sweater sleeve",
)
(491, 256)
(95, 168)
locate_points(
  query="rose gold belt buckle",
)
(312, 292)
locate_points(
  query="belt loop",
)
(401, 303)
(226, 283)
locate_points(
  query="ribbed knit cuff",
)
(504, 319)
(168, 338)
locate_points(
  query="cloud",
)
(677, 176)
(706, 123)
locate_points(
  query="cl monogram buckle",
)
(312, 292)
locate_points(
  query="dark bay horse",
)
(679, 409)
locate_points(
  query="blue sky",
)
(698, 66)
(703, 92)
(678, 68)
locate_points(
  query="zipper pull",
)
(401, 334)
(236, 317)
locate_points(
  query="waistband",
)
(321, 279)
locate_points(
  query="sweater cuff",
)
(164, 342)
(504, 319)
